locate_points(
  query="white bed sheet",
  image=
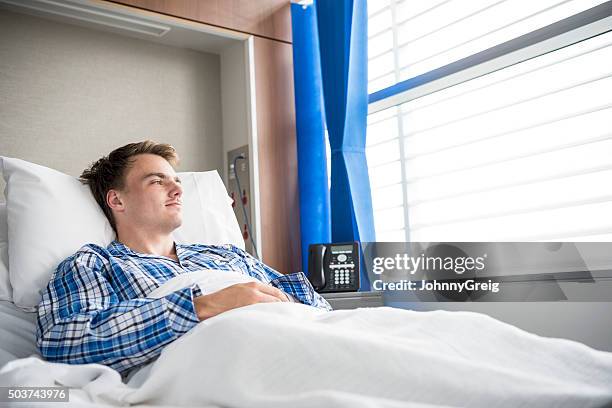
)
(17, 333)
(278, 355)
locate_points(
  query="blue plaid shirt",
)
(95, 308)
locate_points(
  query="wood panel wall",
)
(270, 22)
(264, 18)
(277, 145)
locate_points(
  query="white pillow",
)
(51, 215)
(208, 217)
(6, 292)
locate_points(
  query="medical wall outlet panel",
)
(241, 196)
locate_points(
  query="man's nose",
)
(176, 190)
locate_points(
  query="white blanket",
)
(209, 281)
(291, 355)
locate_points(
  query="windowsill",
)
(353, 300)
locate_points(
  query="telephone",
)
(334, 267)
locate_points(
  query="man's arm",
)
(81, 319)
(295, 284)
(298, 285)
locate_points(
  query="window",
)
(490, 120)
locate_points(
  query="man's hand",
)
(241, 294)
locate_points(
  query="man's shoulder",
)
(89, 254)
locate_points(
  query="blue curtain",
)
(330, 70)
(343, 39)
(310, 124)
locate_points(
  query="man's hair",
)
(108, 173)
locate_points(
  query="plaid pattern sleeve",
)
(298, 285)
(295, 284)
(81, 319)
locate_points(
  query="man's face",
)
(151, 197)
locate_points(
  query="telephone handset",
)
(334, 267)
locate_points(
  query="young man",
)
(95, 308)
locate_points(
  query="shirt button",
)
(186, 264)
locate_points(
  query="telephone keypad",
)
(343, 271)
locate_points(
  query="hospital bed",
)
(285, 354)
(17, 331)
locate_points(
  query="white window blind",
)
(408, 38)
(520, 154)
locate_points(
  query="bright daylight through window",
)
(513, 146)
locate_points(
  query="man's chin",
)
(173, 225)
(177, 224)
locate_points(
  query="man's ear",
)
(114, 200)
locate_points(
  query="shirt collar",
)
(119, 248)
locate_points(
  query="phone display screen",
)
(342, 249)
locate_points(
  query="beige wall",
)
(70, 94)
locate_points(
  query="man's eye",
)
(157, 182)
